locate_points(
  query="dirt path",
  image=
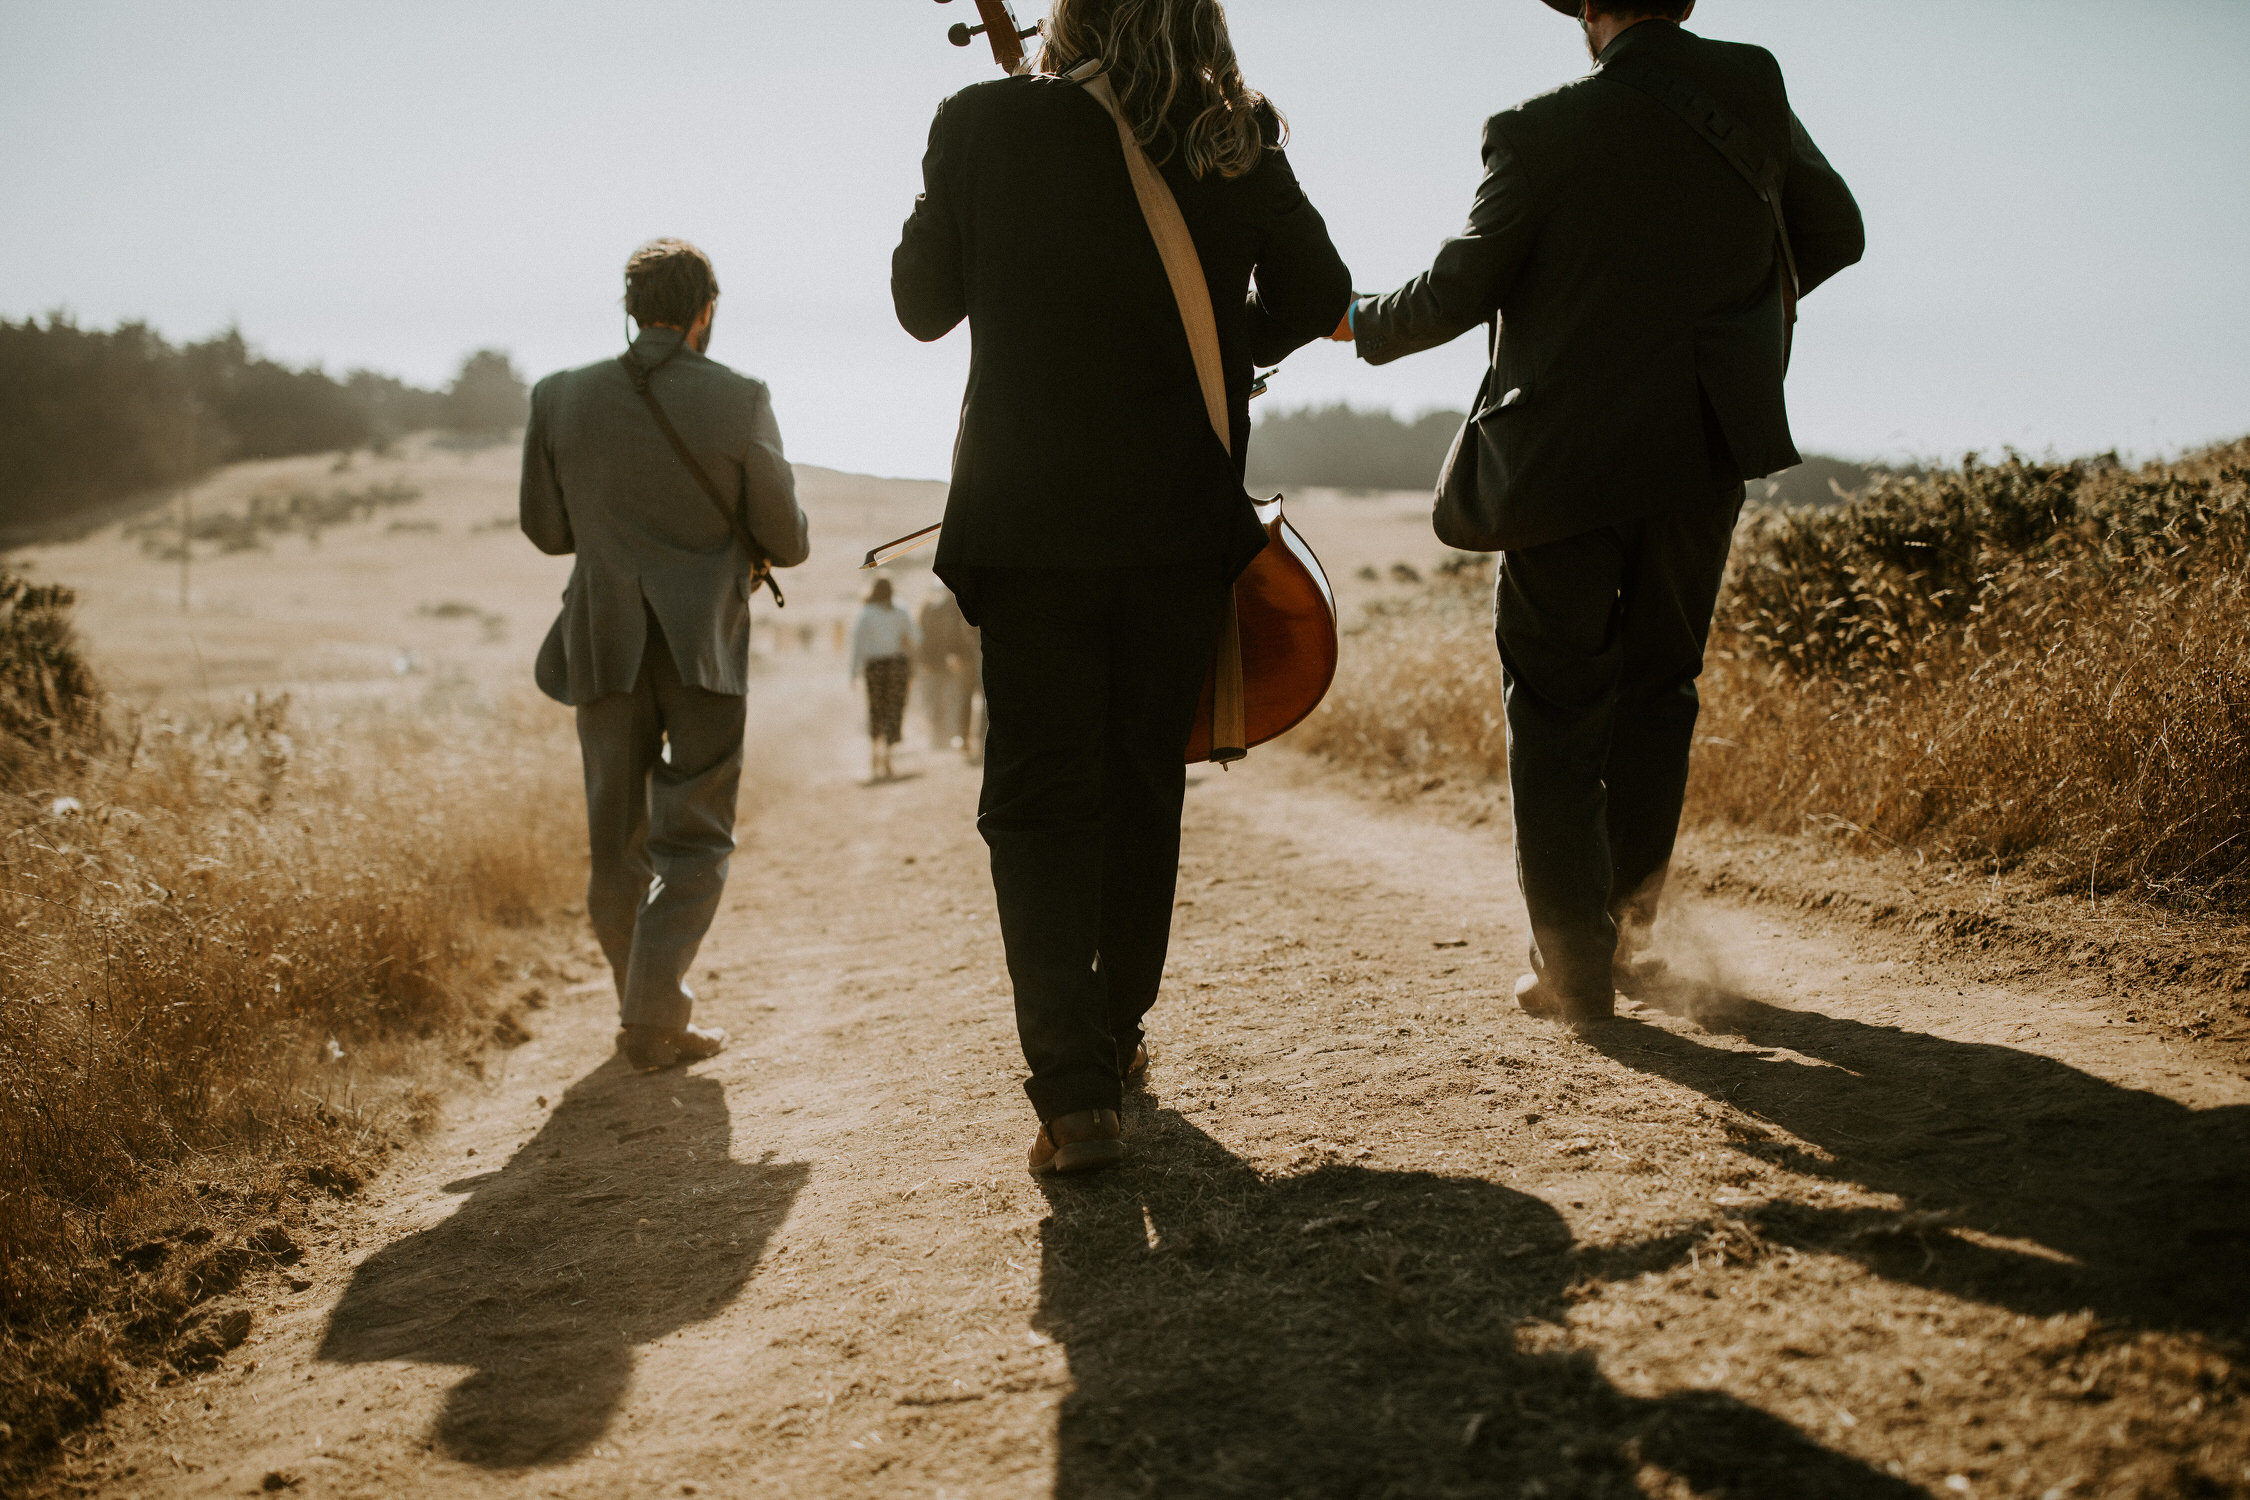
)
(1862, 1229)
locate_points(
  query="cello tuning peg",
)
(962, 34)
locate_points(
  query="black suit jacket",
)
(1633, 273)
(1084, 441)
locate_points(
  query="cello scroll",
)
(997, 24)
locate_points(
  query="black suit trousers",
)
(1091, 680)
(1601, 640)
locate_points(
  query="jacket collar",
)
(1651, 36)
(653, 344)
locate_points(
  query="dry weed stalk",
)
(224, 947)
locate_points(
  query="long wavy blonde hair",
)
(1173, 66)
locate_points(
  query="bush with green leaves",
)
(46, 691)
(1963, 559)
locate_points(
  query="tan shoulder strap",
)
(1176, 247)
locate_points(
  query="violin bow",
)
(996, 23)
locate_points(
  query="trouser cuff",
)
(1057, 1094)
(1583, 977)
(665, 1015)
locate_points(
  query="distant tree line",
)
(89, 416)
(1821, 480)
(1340, 447)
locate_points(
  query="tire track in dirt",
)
(1863, 1229)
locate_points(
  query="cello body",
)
(1284, 617)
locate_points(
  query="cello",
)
(1276, 652)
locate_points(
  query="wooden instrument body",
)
(1285, 612)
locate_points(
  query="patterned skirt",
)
(887, 679)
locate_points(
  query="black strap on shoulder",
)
(1745, 150)
(761, 566)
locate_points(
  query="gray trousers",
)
(663, 764)
(1601, 640)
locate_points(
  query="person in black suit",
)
(1643, 305)
(1095, 519)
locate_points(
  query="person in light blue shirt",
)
(884, 641)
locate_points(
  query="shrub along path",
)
(1840, 1221)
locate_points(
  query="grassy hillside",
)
(231, 946)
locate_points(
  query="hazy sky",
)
(2057, 191)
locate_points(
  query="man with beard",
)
(662, 471)
(1637, 246)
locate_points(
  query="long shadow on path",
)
(1355, 1332)
(624, 1219)
(2143, 1203)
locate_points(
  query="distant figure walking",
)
(883, 646)
(1637, 247)
(653, 643)
(945, 669)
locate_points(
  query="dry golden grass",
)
(231, 952)
(2042, 668)
(1417, 694)
(2110, 753)
(2035, 667)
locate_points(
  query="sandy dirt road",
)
(1846, 1224)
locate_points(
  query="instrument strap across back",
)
(761, 567)
(1744, 149)
(1175, 246)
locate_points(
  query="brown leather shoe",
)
(652, 1048)
(1087, 1141)
(1136, 1071)
(1541, 999)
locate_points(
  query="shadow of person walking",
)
(1357, 1332)
(623, 1219)
(2122, 1201)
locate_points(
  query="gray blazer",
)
(600, 480)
